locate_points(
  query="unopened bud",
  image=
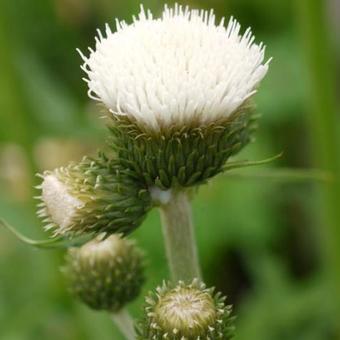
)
(105, 274)
(93, 196)
(186, 312)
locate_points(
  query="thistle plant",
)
(178, 92)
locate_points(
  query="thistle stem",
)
(124, 322)
(324, 118)
(179, 238)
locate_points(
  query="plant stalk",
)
(324, 121)
(124, 322)
(179, 235)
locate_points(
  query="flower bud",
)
(186, 312)
(93, 196)
(105, 274)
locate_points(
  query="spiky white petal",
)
(176, 68)
(60, 204)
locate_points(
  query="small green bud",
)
(186, 312)
(105, 274)
(184, 155)
(93, 196)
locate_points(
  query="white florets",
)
(60, 205)
(174, 69)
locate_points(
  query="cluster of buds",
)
(178, 92)
(106, 274)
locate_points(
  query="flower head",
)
(93, 196)
(178, 89)
(176, 69)
(186, 312)
(105, 274)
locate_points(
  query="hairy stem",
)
(124, 322)
(179, 238)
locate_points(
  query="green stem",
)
(323, 119)
(125, 323)
(179, 238)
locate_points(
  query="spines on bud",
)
(186, 312)
(93, 196)
(181, 155)
(105, 274)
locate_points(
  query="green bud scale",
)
(105, 274)
(93, 196)
(186, 312)
(182, 155)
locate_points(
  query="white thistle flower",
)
(175, 69)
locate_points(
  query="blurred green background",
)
(272, 246)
